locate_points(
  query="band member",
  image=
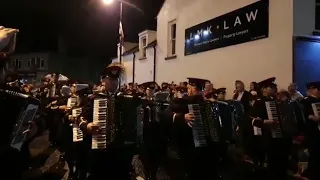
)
(149, 89)
(195, 160)
(111, 162)
(221, 94)
(244, 128)
(312, 130)
(153, 145)
(277, 146)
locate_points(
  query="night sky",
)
(87, 27)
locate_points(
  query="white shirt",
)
(240, 94)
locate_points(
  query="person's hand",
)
(6, 35)
(93, 128)
(314, 118)
(64, 107)
(270, 122)
(189, 117)
(70, 118)
(238, 130)
(32, 130)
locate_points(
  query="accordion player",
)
(19, 117)
(281, 113)
(101, 116)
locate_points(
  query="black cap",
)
(220, 91)
(211, 94)
(149, 85)
(313, 85)
(71, 82)
(114, 70)
(198, 83)
(270, 82)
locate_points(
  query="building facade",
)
(30, 66)
(265, 50)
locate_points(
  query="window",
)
(16, 63)
(143, 47)
(29, 63)
(41, 62)
(19, 63)
(38, 62)
(172, 31)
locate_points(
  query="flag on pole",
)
(121, 34)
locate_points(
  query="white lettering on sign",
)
(251, 16)
(201, 32)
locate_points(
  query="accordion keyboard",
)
(22, 125)
(72, 101)
(198, 129)
(316, 110)
(272, 112)
(77, 134)
(100, 114)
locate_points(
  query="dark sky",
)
(88, 27)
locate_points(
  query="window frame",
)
(172, 38)
(143, 47)
(19, 63)
(29, 63)
(41, 62)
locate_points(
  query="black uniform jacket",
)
(181, 132)
(311, 127)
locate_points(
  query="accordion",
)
(285, 113)
(154, 110)
(316, 110)
(103, 116)
(131, 119)
(72, 101)
(77, 134)
(18, 117)
(206, 125)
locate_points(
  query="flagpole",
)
(121, 41)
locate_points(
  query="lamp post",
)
(109, 2)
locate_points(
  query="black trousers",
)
(113, 163)
(314, 163)
(278, 158)
(201, 162)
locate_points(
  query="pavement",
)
(47, 165)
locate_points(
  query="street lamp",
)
(107, 2)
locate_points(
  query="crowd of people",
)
(166, 132)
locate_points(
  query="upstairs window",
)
(41, 62)
(29, 63)
(16, 63)
(172, 31)
(143, 47)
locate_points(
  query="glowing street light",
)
(107, 2)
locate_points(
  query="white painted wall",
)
(252, 61)
(144, 67)
(304, 13)
(127, 62)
